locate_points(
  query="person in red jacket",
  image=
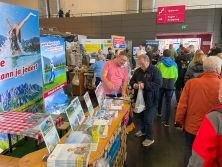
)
(198, 97)
(207, 147)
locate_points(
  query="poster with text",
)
(54, 74)
(49, 133)
(88, 103)
(154, 45)
(118, 42)
(20, 60)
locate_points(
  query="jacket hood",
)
(167, 61)
(198, 67)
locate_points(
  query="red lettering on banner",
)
(54, 89)
(2, 63)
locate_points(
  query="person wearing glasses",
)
(115, 76)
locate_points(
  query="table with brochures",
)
(35, 159)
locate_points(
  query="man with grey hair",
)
(149, 52)
(148, 78)
(199, 96)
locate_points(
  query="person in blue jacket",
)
(97, 67)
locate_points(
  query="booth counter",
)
(117, 130)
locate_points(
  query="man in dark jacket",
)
(148, 78)
(110, 55)
(149, 52)
(182, 63)
(216, 50)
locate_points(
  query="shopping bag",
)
(75, 80)
(140, 103)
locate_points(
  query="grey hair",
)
(101, 57)
(145, 57)
(148, 48)
(211, 63)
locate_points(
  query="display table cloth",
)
(14, 123)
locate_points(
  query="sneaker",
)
(147, 142)
(139, 134)
(159, 115)
(166, 124)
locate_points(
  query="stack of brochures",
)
(113, 104)
(75, 155)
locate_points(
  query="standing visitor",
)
(168, 69)
(178, 50)
(110, 55)
(148, 78)
(198, 97)
(140, 51)
(97, 68)
(156, 57)
(68, 13)
(85, 58)
(173, 54)
(60, 13)
(149, 53)
(192, 63)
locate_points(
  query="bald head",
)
(187, 51)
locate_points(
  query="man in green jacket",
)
(169, 71)
(173, 53)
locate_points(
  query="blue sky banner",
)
(54, 73)
(20, 60)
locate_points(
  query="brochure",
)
(78, 137)
(78, 110)
(100, 94)
(88, 103)
(107, 115)
(49, 133)
(75, 155)
(72, 117)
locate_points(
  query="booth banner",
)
(88, 104)
(154, 44)
(118, 42)
(170, 14)
(20, 60)
(54, 74)
(93, 45)
(49, 133)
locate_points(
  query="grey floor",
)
(167, 151)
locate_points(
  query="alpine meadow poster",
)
(20, 62)
(54, 74)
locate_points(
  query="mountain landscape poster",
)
(54, 74)
(20, 62)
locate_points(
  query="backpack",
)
(182, 69)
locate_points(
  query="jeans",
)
(168, 96)
(98, 80)
(189, 139)
(52, 76)
(146, 122)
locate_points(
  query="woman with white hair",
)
(97, 67)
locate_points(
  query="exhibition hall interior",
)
(121, 83)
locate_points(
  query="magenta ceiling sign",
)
(170, 14)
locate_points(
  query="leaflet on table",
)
(72, 117)
(75, 155)
(103, 129)
(100, 94)
(88, 103)
(49, 133)
(113, 104)
(106, 114)
(75, 114)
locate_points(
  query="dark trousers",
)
(179, 87)
(189, 139)
(98, 80)
(146, 122)
(168, 96)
